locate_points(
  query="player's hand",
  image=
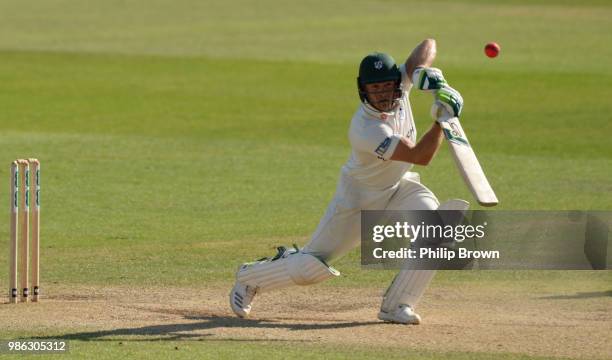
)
(447, 103)
(428, 79)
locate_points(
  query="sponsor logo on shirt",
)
(383, 147)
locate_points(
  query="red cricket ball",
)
(492, 49)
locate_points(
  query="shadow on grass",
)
(184, 331)
(580, 295)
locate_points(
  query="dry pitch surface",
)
(573, 325)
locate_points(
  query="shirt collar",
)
(380, 115)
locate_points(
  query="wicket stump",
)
(25, 226)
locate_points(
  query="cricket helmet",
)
(378, 67)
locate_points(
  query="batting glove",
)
(446, 101)
(428, 79)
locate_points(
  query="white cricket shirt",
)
(374, 136)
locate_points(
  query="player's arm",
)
(448, 103)
(423, 151)
(422, 56)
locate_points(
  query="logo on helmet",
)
(378, 65)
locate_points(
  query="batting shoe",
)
(241, 298)
(403, 314)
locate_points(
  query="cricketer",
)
(377, 176)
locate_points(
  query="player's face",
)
(380, 95)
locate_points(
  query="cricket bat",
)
(467, 163)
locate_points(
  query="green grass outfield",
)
(178, 139)
(248, 350)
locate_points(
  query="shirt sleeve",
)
(376, 139)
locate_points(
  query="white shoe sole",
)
(386, 317)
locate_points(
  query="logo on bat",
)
(453, 134)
